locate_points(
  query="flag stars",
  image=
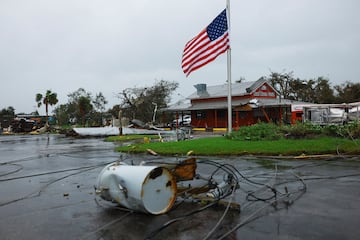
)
(207, 45)
(218, 27)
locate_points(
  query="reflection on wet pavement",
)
(47, 192)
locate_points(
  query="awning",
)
(240, 105)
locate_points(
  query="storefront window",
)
(200, 115)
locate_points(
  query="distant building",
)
(251, 102)
(40, 120)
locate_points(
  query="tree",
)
(140, 103)
(85, 107)
(292, 88)
(82, 108)
(62, 114)
(323, 93)
(100, 102)
(312, 90)
(49, 98)
(6, 116)
(114, 111)
(10, 111)
(281, 82)
(348, 92)
(79, 105)
(298, 90)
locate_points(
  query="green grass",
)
(225, 146)
(125, 138)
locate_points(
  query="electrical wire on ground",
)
(20, 167)
(168, 223)
(224, 214)
(253, 217)
(38, 192)
(272, 186)
(277, 195)
(237, 177)
(234, 180)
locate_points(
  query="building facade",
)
(252, 102)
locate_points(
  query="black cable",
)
(224, 214)
(38, 192)
(276, 197)
(272, 188)
(252, 216)
(52, 172)
(20, 167)
(226, 168)
(230, 169)
(168, 223)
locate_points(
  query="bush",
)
(302, 130)
(259, 131)
(270, 131)
(352, 130)
(331, 130)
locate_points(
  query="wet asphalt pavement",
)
(47, 192)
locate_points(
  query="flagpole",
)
(229, 71)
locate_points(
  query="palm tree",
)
(50, 98)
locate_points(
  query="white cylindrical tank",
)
(149, 189)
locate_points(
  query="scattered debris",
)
(152, 152)
(154, 189)
(150, 189)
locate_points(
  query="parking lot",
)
(47, 192)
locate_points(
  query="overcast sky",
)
(109, 45)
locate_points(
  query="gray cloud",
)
(111, 45)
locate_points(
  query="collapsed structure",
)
(154, 189)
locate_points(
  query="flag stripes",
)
(201, 49)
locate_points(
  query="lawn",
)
(224, 146)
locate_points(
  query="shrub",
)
(352, 129)
(270, 131)
(302, 130)
(259, 131)
(331, 130)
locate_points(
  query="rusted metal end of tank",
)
(159, 191)
(149, 189)
(185, 170)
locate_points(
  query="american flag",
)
(207, 45)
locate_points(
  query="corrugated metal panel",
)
(238, 89)
(178, 106)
